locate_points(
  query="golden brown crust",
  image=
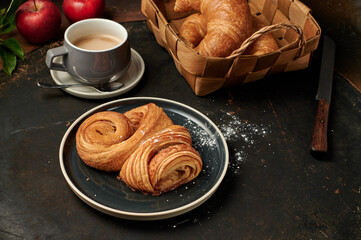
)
(193, 29)
(174, 166)
(264, 44)
(105, 140)
(229, 23)
(187, 5)
(163, 162)
(152, 154)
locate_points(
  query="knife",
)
(319, 136)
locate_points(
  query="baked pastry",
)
(106, 139)
(227, 22)
(163, 162)
(152, 154)
(266, 43)
(193, 29)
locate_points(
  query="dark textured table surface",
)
(273, 189)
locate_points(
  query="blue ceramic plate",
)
(102, 190)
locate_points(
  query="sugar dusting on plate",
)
(204, 142)
(234, 129)
(200, 136)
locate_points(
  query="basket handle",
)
(270, 28)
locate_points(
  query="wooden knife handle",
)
(319, 136)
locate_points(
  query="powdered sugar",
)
(200, 137)
(234, 129)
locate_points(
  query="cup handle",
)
(55, 52)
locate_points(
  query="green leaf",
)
(7, 21)
(10, 13)
(13, 45)
(9, 60)
(7, 27)
(2, 14)
(9, 48)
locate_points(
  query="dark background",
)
(274, 188)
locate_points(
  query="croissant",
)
(162, 163)
(227, 22)
(106, 139)
(264, 44)
(193, 29)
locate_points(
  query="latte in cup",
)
(97, 41)
(95, 51)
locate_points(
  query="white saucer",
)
(130, 80)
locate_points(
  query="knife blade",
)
(319, 135)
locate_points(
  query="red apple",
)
(76, 10)
(38, 21)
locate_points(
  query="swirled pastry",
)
(105, 140)
(163, 162)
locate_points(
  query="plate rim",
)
(141, 215)
(139, 61)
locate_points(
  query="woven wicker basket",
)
(290, 21)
